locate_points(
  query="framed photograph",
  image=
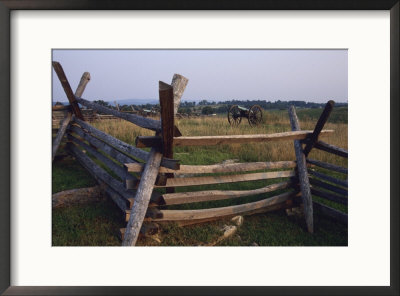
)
(44, 252)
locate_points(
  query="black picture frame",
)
(7, 6)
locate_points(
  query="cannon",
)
(236, 113)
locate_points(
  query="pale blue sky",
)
(309, 75)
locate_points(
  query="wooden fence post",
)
(167, 123)
(178, 83)
(82, 84)
(67, 89)
(302, 173)
(318, 127)
(142, 197)
(63, 127)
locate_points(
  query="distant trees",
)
(101, 102)
(207, 110)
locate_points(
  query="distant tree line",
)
(211, 107)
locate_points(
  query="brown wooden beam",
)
(67, 89)
(142, 198)
(302, 173)
(318, 127)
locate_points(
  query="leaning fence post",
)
(63, 127)
(142, 197)
(318, 127)
(67, 89)
(302, 173)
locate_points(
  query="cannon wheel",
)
(234, 117)
(255, 115)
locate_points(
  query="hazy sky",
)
(309, 75)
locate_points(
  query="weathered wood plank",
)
(330, 196)
(194, 181)
(333, 213)
(63, 127)
(141, 121)
(167, 123)
(302, 173)
(210, 195)
(60, 133)
(331, 149)
(318, 183)
(105, 147)
(82, 84)
(327, 166)
(76, 196)
(179, 215)
(318, 127)
(117, 198)
(240, 139)
(124, 147)
(280, 206)
(147, 229)
(118, 170)
(178, 84)
(218, 168)
(322, 176)
(100, 174)
(142, 198)
(67, 89)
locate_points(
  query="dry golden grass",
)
(274, 122)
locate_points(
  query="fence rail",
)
(130, 174)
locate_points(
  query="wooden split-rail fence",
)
(130, 174)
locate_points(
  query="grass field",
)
(98, 224)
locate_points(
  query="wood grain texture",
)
(194, 181)
(82, 84)
(167, 123)
(141, 121)
(331, 149)
(210, 195)
(124, 147)
(115, 168)
(76, 196)
(60, 134)
(331, 212)
(106, 148)
(67, 89)
(327, 166)
(318, 127)
(100, 174)
(218, 168)
(180, 215)
(279, 206)
(142, 198)
(241, 139)
(178, 84)
(302, 173)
